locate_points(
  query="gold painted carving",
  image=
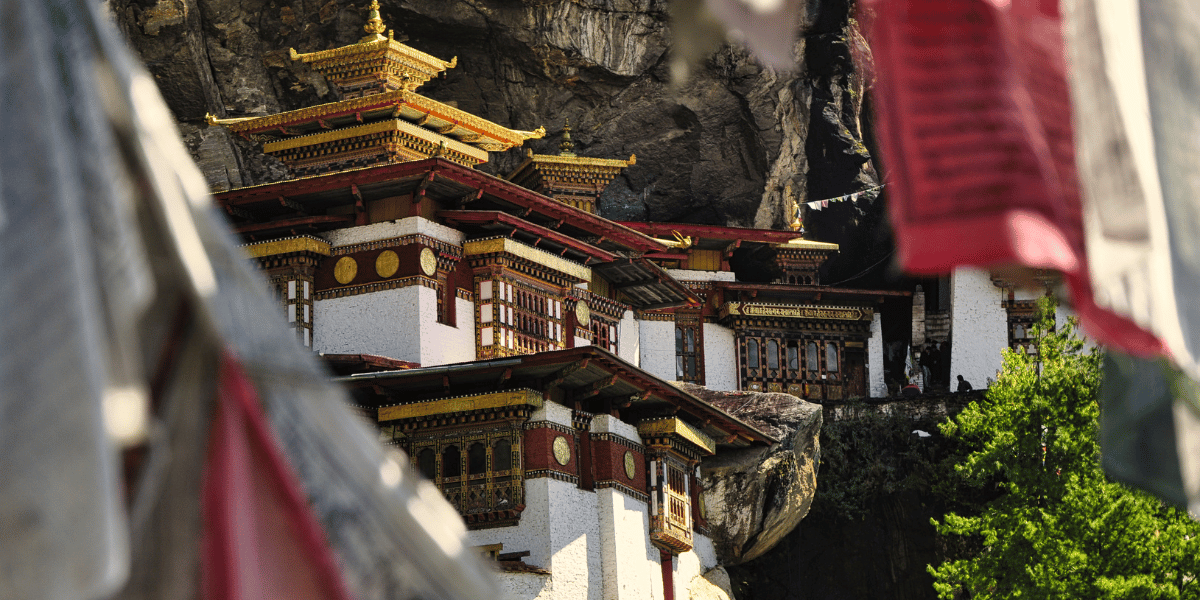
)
(380, 127)
(583, 314)
(285, 246)
(562, 450)
(461, 404)
(428, 262)
(387, 263)
(541, 257)
(345, 270)
(630, 467)
(673, 426)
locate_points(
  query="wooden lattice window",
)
(831, 357)
(604, 334)
(689, 349)
(477, 471)
(517, 319)
(296, 296)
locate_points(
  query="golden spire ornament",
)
(374, 27)
(567, 147)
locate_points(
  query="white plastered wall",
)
(393, 229)
(400, 323)
(382, 323)
(657, 339)
(720, 358)
(443, 344)
(876, 386)
(629, 346)
(628, 561)
(980, 327)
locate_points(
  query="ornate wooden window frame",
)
(689, 362)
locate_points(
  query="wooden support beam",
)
(593, 389)
(292, 204)
(360, 207)
(469, 198)
(504, 376)
(419, 194)
(565, 372)
(240, 213)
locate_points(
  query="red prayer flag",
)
(260, 541)
(975, 123)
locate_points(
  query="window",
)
(604, 333)
(502, 456)
(671, 504)
(520, 318)
(689, 356)
(831, 357)
(491, 464)
(772, 355)
(425, 464)
(752, 359)
(811, 358)
(793, 357)
(451, 462)
(476, 459)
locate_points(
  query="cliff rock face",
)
(755, 497)
(726, 147)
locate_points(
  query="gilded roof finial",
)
(566, 148)
(374, 25)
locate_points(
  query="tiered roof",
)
(573, 180)
(381, 119)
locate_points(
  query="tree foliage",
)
(1059, 529)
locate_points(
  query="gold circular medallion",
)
(583, 314)
(630, 467)
(345, 270)
(387, 263)
(562, 450)
(428, 262)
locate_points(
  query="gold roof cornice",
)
(674, 426)
(803, 244)
(583, 160)
(553, 262)
(284, 246)
(374, 45)
(398, 98)
(381, 126)
(461, 404)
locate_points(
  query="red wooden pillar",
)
(668, 574)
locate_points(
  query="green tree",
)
(1060, 528)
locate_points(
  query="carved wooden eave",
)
(440, 121)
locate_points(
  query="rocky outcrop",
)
(713, 585)
(726, 147)
(755, 497)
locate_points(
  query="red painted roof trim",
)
(494, 216)
(717, 232)
(499, 188)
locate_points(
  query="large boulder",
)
(755, 497)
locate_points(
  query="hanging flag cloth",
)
(132, 320)
(975, 123)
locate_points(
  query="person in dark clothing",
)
(963, 385)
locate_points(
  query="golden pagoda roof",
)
(412, 107)
(376, 58)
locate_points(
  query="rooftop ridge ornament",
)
(374, 27)
(567, 147)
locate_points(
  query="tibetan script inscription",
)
(795, 311)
